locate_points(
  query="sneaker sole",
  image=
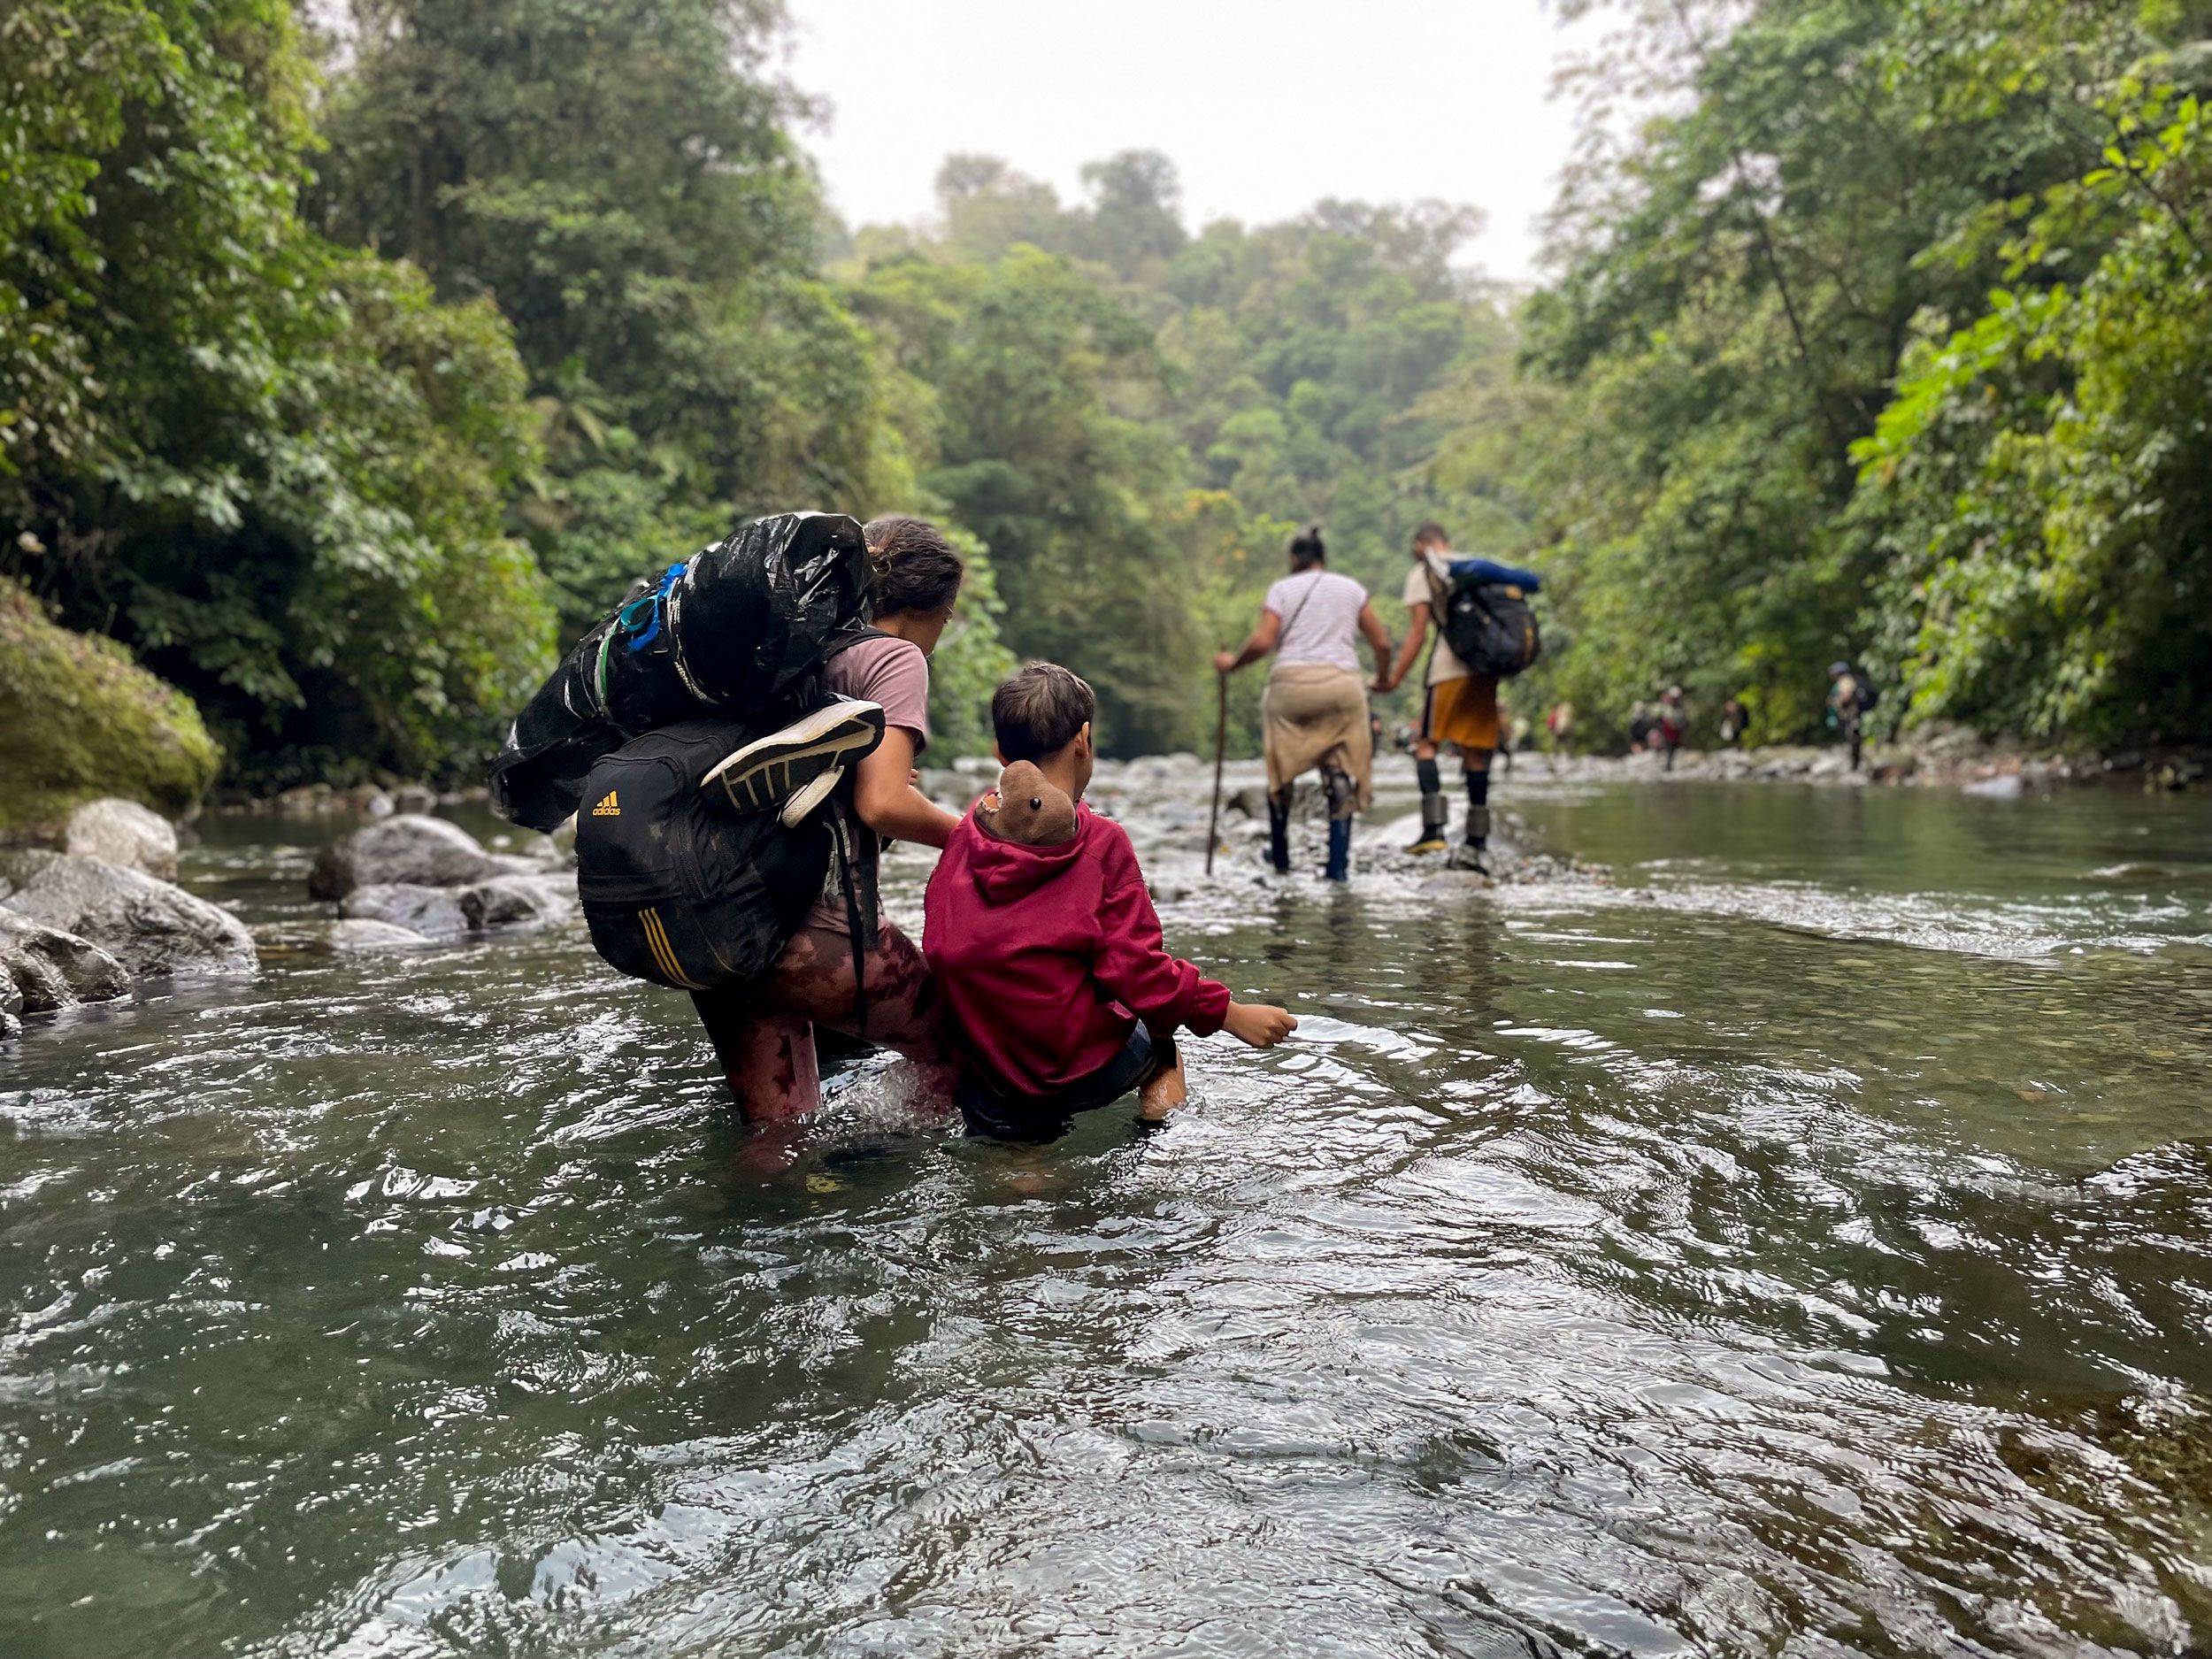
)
(796, 810)
(770, 770)
(1422, 848)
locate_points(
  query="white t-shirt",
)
(1320, 612)
(1444, 662)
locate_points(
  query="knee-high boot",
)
(1340, 864)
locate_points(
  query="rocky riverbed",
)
(89, 920)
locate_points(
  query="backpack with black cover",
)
(1487, 619)
(742, 626)
(683, 887)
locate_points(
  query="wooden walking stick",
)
(1221, 749)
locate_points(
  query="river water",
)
(1801, 1246)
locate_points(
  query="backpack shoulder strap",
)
(845, 641)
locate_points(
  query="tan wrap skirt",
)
(1313, 714)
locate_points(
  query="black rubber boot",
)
(1470, 856)
(1434, 815)
(1278, 834)
(1339, 866)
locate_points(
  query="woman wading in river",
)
(1315, 710)
(764, 1031)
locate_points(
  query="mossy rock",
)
(79, 719)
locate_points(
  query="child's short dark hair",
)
(1038, 709)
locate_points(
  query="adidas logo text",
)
(608, 807)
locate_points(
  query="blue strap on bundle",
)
(657, 601)
(1483, 570)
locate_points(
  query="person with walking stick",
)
(1315, 710)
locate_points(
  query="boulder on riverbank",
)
(409, 849)
(117, 831)
(519, 901)
(430, 913)
(80, 720)
(149, 925)
(43, 969)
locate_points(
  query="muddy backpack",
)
(681, 888)
(1487, 619)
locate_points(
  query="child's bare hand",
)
(1258, 1024)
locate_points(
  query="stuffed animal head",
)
(1026, 809)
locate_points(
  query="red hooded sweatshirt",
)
(1047, 956)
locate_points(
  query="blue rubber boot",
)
(1340, 864)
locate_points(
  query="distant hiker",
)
(1511, 730)
(1733, 722)
(1641, 724)
(764, 1031)
(1667, 728)
(1459, 708)
(1850, 695)
(1560, 724)
(1315, 712)
(1060, 993)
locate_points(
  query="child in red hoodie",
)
(1044, 940)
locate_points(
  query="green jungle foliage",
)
(342, 395)
(276, 469)
(1887, 346)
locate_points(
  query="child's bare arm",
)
(1259, 1025)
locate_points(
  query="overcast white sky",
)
(1264, 105)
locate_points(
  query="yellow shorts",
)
(1463, 712)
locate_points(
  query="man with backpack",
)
(1459, 707)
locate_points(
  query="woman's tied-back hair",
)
(1306, 550)
(1038, 709)
(910, 567)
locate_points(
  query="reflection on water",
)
(1750, 1268)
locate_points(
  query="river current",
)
(1800, 1246)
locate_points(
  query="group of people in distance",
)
(1315, 712)
(1041, 984)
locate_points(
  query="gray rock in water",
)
(410, 851)
(358, 933)
(43, 969)
(117, 831)
(20, 865)
(519, 901)
(149, 925)
(2007, 787)
(428, 913)
(414, 797)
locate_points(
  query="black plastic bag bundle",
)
(740, 627)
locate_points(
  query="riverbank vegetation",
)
(342, 381)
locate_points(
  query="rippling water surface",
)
(1801, 1247)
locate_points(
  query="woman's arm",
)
(1265, 638)
(884, 796)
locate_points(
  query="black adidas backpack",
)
(682, 890)
(1491, 628)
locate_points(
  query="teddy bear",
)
(1027, 810)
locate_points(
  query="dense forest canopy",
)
(343, 385)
